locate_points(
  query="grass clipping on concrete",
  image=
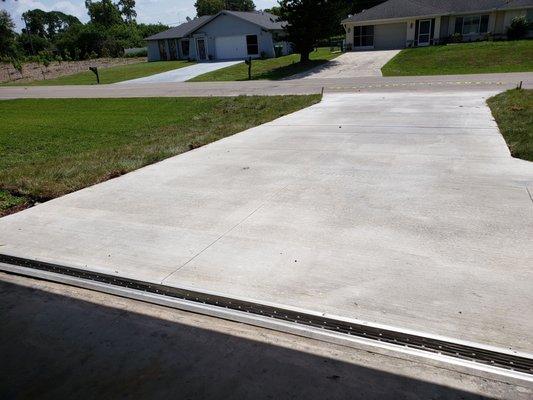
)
(463, 58)
(51, 147)
(513, 111)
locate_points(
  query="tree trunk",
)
(304, 56)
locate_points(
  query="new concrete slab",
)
(401, 208)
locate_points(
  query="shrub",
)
(140, 53)
(456, 38)
(518, 28)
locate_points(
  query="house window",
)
(363, 36)
(251, 44)
(473, 24)
(185, 48)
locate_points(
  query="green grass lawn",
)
(464, 58)
(271, 68)
(51, 147)
(513, 111)
(110, 75)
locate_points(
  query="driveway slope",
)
(181, 74)
(401, 208)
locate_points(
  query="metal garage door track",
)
(402, 209)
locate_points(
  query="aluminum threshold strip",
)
(480, 355)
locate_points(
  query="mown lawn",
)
(51, 147)
(110, 75)
(464, 58)
(513, 111)
(271, 68)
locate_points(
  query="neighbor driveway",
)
(353, 65)
(181, 74)
(398, 208)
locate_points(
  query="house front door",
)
(424, 32)
(202, 52)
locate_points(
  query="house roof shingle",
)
(263, 19)
(416, 8)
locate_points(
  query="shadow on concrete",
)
(59, 347)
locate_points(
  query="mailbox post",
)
(248, 62)
(95, 70)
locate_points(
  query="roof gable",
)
(392, 9)
(263, 19)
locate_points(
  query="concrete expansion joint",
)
(273, 195)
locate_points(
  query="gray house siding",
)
(228, 25)
(390, 36)
(444, 27)
(228, 30)
(474, 21)
(153, 51)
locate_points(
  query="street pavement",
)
(459, 83)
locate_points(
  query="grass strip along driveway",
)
(51, 147)
(513, 111)
(463, 58)
(271, 68)
(110, 75)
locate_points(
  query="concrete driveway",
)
(353, 65)
(181, 74)
(397, 208)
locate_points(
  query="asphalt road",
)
(285, 87)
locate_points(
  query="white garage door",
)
(230, 47)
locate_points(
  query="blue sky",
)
(171, 12)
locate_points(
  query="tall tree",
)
(211, 7)
(47, 24)
(273, 10)
(356, 6)
(309, 21)
(240, 5)
(208, 7)
(7, 34)
(127, 9)
(104, 13)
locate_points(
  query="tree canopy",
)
(47, 24)
(310, 21)
(211, 7)
(50, 35)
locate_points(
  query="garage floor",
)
(182, 74)
(353, 64)
(400, 208)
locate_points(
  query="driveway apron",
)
(398, 208)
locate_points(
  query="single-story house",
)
(397, 24)
(228, 35)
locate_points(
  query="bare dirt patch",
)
(34, 71)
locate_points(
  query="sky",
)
(170, 12)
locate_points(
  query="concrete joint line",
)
(530, 195)
(226, 232)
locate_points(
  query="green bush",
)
(518, 28)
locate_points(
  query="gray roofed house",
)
(227, 35)
(396, 24)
